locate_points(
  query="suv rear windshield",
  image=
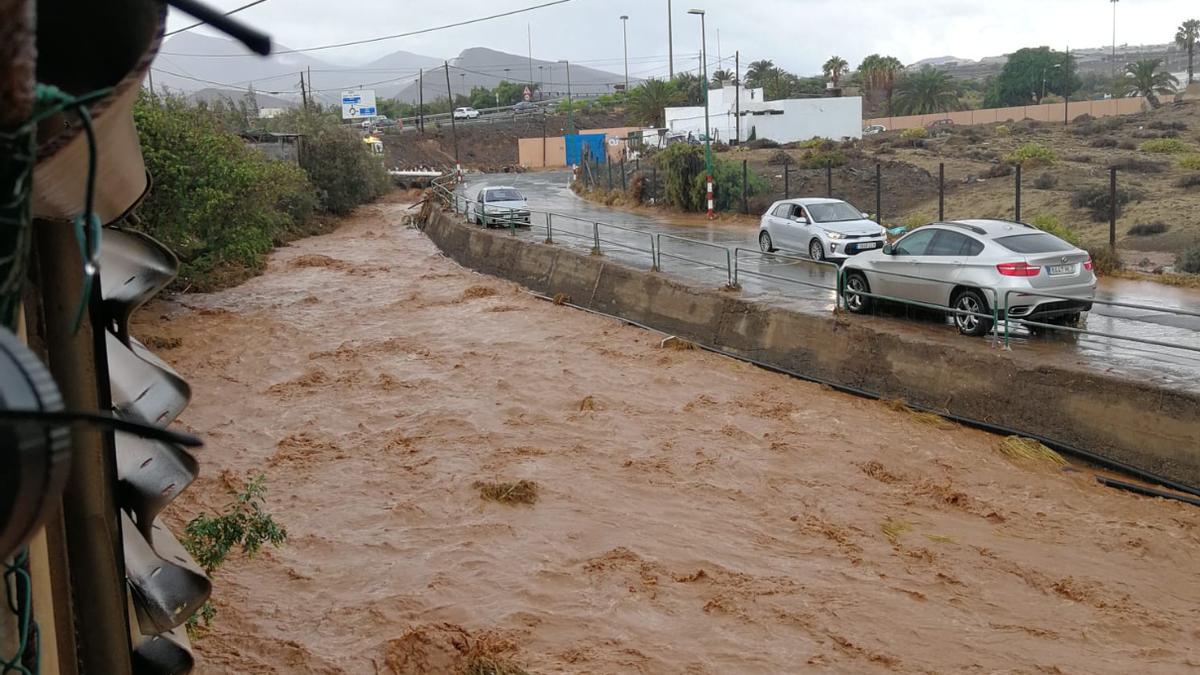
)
(1038, 242)
(503, 196)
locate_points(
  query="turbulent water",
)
(693, 513)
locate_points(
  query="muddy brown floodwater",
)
(693, 513)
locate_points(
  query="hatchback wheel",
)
(816, 251)
(970, 300)
(856, 285)
(764, 242)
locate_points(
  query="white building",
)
(783, 121)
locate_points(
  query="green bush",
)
(1189, 260)
(1164, 146)
(1054, 226)
(336, 160)
(727, 185)
(681, 166)
(1096, 200)
(215, 201)
(913, 133)
(1148, 229)
(1105, 259)
(819, 159)
(1031, 155)
(1003, 130)
(1190, 161)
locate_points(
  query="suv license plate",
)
(1062, 269)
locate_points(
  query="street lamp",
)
(670, 45)
(708, 165)
(541, 85)
(1114, 48)
(570, 106)
(464, 82)
(625, 39)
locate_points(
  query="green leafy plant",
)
(1003, 130)
(682, 166)
(1052, 225)
(1031, 155)
(1164, 146)
(1190, 161)
(1189, 260)
(913, 133)
(243, 523)
(1097, 200)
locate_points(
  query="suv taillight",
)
(1087, 265)
(1018, 269)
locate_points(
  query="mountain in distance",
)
(212, 94)
(482, 67)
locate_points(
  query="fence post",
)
(609, 164)
(786, 188)
(549, 228)
(623, 188)
(1112, 208)
(596, 238)
(1017, 203)
(654, 183)
(878, 193)
(745, 203)
(941, 190)
(828, 178)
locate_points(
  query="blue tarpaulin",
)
(577, 142)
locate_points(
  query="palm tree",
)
(758, 71)
(1186, 37)
(647, 100)
(721, 77)
(691, 86)
(1143, 78)
(879, 74)
(834, 68)
(927, 91)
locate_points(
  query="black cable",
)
(256, 41)
(1145, 491)
(106, 421)
(201, 23)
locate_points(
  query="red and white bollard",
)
(709, 182)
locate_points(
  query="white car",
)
(466, 114)
(498, 205)
(873, 129)
(978, 266)
(826, 229)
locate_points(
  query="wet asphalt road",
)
(803, 286)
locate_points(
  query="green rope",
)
(18, 590)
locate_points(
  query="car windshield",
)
(833, 212)
(1038, 242)
(504, 195)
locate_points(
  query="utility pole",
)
(150, 74)
(1067, 88)
(570, 105)
(708, 164)
(453, 126)
(529, 39)
(303, 92)
(421, 100)
(670, 45)
(1114, 49)
(625, 40)
(737, 97)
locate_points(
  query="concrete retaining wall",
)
(1151, 428)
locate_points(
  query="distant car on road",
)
(827, 229)
(466, 114)
(498, 205)
(872, 129)
(525, 107)
(939, 125)
(970, 265)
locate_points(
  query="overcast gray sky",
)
(796, 34)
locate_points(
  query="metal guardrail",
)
(1177, 311)
(1000, 316)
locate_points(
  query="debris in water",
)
(1027, 449)
(676, 342)
(520, 492)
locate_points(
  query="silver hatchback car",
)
(975, 266)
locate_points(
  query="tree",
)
(647, 100)
(834, 68)
(1031, 73)
(879, 74)
(927, 91)
(1143, 78)
(1186, 37)
(720, 78)
(692, 87)
(758, 71)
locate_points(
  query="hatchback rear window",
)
(1038, 242)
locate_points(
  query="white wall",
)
(805, 118)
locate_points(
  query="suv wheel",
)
(856, 284)
(764, 242)
(816, 251)
(971, 300)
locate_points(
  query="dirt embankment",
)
(682, 512)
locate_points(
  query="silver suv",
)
(975, 266)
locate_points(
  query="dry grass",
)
(489, 665)
(674, 342)
(478, 292)
(939, 538)
(892, 528)
(561, 298)
(1181, 280)
(588, 403)
(520, 492)
(927, 418)
(1027, 449)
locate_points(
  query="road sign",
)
(528, 94)
(357, 103)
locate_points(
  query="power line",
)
(397, 35)
(201, 23)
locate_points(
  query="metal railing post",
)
(1017, 203)
(596, 236)
(549, 228)
(941, 190)
(745, 194)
